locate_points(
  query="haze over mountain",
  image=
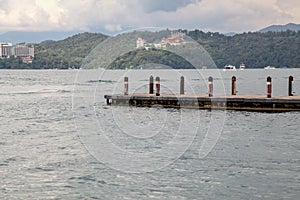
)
(278, 28)
(38, 37)
(34, 37)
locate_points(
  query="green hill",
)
(62, 54)
(256, 50)
(67, 53)
(150, 58)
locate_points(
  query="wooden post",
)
(126, 85)
(210, 86)
(108, 102)
(269, 87)
(157, 80)
(233, 85)
(291, 78)
(181, 85)
(151, 85)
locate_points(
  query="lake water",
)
(59, 139)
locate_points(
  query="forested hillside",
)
(67, 53)
(256, 50)
(63, 54)
(140, 57)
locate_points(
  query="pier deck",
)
(229, 102)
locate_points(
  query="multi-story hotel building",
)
(22, 50)
(5, 50)
(19, 50)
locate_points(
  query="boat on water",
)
(269, 67)
(229, 68)
(242, 66)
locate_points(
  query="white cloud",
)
(115, 15)
(58, 14)
(20, 15)
(52, 9)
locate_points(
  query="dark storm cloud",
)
(165, 5)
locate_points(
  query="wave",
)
(101, 81)
(29, 92)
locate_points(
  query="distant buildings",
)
(175, 39)
(140, 43)
(22, 50)
(5, 50)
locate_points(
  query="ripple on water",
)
(41, 155)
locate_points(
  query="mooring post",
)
(151, 85)
(269, 87)
(181, 85)
(291, 78)
(157, 82)
(210, 86)
(233, 85)
(125, 85)
(108, 101)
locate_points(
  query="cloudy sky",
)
(111, 16)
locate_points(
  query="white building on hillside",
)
(140, 43)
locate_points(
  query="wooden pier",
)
(263, 103)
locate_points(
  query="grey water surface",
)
(55, 125)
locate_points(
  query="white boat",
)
(229, 68)
(242, 66)
(269, 67)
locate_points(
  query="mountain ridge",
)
(254, 49)
(39, 37)
(278, 28)
(34, 37)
